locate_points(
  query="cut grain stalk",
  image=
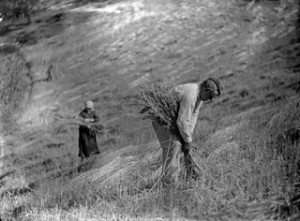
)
(74, 120)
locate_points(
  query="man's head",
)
(210, 88)
(89, 105)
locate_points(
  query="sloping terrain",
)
(103, 51)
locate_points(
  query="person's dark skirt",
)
(87, 143)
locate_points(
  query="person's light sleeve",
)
(185, 121)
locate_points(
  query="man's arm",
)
(88, 118)
(94, 119)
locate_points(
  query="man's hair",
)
(207, 82)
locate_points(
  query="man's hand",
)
(186, 147)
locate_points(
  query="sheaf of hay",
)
(156, 103)
(74, 120)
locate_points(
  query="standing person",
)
(190, 97)
(87, 137)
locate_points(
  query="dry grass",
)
(62, 120)
(286, 118)
(13, 84)
(224, 191)
(248, 162)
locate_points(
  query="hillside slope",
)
(102, 51)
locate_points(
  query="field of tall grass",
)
(248, 139)
(249, 171)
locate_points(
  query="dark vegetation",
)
(15, 82)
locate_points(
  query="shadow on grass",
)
(40, 28)
(44, 26)
(102, 2)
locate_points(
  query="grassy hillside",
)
(248, 138)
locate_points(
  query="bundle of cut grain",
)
(157, 103)
(74, 120)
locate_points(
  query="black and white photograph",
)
(149, 110)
